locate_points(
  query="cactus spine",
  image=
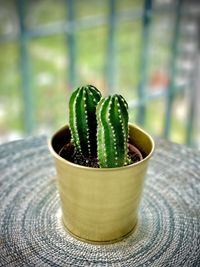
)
(112, 132)
(82, 119)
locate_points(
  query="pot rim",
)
(56, 155)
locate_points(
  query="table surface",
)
(31, 232)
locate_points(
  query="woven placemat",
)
(31, 232)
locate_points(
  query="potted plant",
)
(101, 161)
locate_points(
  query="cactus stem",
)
(83, 125)
(112, 118)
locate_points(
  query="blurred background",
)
(148, 51)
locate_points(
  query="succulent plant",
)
(82, 119)
(99, 126)
(112, 131)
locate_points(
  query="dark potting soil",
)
(133, 156)
(69, 153)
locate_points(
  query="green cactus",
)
(82, 119)
(112, 132)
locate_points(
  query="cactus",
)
(112, 132)
(99, 127)
(82, 119)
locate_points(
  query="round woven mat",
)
(31, 232)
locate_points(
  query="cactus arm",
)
(112, 133)
(82, 119)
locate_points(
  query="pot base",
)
(95, 242)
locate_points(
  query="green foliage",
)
(112, 132)
(82, 119)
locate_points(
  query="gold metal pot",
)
(100, 205)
